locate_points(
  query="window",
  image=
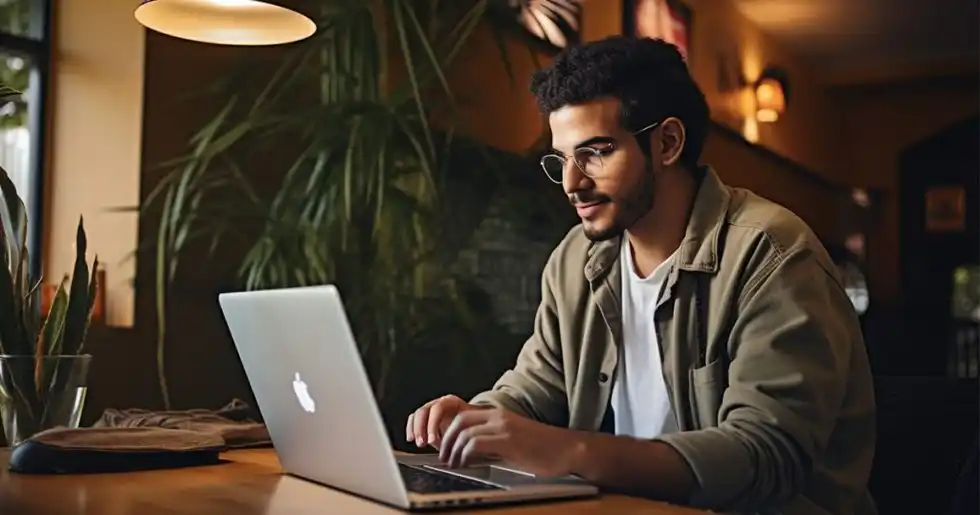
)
(16, 17)
(964, 350)
(15, 144)
(966, 293)
(25, 51)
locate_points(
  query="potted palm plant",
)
(43, 367)
(376, 192)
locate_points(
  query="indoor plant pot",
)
(43, 368)
(61, 406)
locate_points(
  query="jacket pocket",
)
(708, 386)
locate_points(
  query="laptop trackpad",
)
(495, 474)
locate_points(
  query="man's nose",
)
(573, 179)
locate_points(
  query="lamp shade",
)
(225, 22)
(770, 100)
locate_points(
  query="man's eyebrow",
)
(588, 142)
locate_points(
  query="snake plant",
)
(25, 331)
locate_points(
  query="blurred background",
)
(395, 151)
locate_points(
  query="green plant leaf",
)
(13, 216)
(49, 339)
(399, 6)
(79, 302)
(423, 38)
(7, 92)
(92, 291)
(12, 340)
(32, 309)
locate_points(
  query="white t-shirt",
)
(640, 401)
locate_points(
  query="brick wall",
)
(508, 265)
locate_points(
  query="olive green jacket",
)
(769, 378)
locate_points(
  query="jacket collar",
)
(698, 250)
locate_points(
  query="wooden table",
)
(251, 483)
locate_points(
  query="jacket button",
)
(603, 377)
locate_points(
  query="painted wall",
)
(95, 142)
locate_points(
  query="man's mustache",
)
(587, 197)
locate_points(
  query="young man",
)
(704, 327)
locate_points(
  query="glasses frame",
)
(581, 167)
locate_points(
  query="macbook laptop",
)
(305, 370)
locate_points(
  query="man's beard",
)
(631, 209)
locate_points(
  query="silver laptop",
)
(305, 370)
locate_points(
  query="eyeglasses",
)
(587, 159)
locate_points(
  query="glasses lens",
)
(554, 166)
(589, 161)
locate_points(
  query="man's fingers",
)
(419, 424)
(427, 424)
(460, 423)
(410, 428)
(476, 442)
(443, 427)
(440, 415)
(435, 416)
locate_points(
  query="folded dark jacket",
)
(139, 440)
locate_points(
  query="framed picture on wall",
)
(669, 20)
(945, 209)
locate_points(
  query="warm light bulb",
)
(766, 115)
(770, 100)
(750, 129)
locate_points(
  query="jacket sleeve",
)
(790, 349)
(535, 386)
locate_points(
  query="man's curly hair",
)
(648, 76)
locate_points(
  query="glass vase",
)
(34, 398)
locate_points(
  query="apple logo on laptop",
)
(303, 395)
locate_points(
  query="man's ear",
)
(673, 137)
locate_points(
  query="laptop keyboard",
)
(424, 481)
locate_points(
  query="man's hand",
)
(530, 446)
(468, 433)
(429, 423)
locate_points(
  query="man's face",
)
(620, 190)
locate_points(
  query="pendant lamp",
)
(225, 22)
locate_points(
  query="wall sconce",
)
(771, 95)
(225, 22)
